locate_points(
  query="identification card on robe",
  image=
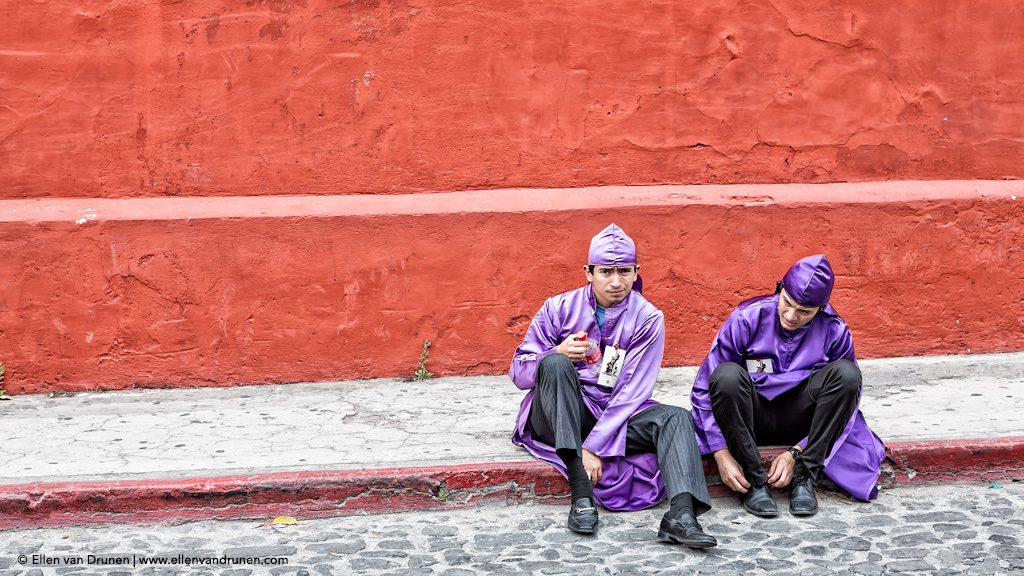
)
(760, 366)
(610, 366)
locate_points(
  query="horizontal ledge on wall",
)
(85, 210)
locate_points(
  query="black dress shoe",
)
(802, 500)
(684, 530)
(759, 502)
(583, 516)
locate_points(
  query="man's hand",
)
(730, 471)
(575, 346)
(781, 471)
(592, 464)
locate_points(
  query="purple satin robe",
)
(753, 331)
(628, 482)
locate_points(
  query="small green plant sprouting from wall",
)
(422, 373)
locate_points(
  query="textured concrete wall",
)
(137, 99)
(148, 98)
(218, 291)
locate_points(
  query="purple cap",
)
(612, 247)
(809, 281)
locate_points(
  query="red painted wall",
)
(220, 291)
(148, 98)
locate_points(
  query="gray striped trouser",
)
(559, 418)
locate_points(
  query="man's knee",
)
(553, 366)
(727, 380)
(847, 376)
(555, 361)
(678, 417)
(665, 420)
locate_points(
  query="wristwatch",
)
(794, 452)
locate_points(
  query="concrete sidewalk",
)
(386, 445)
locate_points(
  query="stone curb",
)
(306, 495)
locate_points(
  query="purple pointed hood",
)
(809, 282)
(612, 247)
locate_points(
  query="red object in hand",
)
(593, 355)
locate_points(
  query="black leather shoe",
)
(759, 502)
(583, 516)
(802, 500)
(684, 530)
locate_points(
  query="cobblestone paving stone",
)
(944, 530)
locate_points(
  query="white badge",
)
(610, 366)
(760, 366)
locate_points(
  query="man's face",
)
(611, 283)
(792, 315)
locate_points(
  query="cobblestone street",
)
(971, 529)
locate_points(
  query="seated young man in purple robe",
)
(589, 360)
(782, 371)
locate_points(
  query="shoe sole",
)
(762, 514)
(803, 512)
(582, 530)
(670, 539)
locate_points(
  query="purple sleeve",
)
(540, 341)
(841, 346)
(727, 347)
(634, 387)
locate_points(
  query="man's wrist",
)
(794, 451)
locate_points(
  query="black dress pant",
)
(559, 418)
(818, 408)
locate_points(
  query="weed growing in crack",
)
(422, 373)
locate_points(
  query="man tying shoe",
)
(782, 371)
(590, 359)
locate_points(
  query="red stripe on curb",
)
(338, 493)
(938, 461)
